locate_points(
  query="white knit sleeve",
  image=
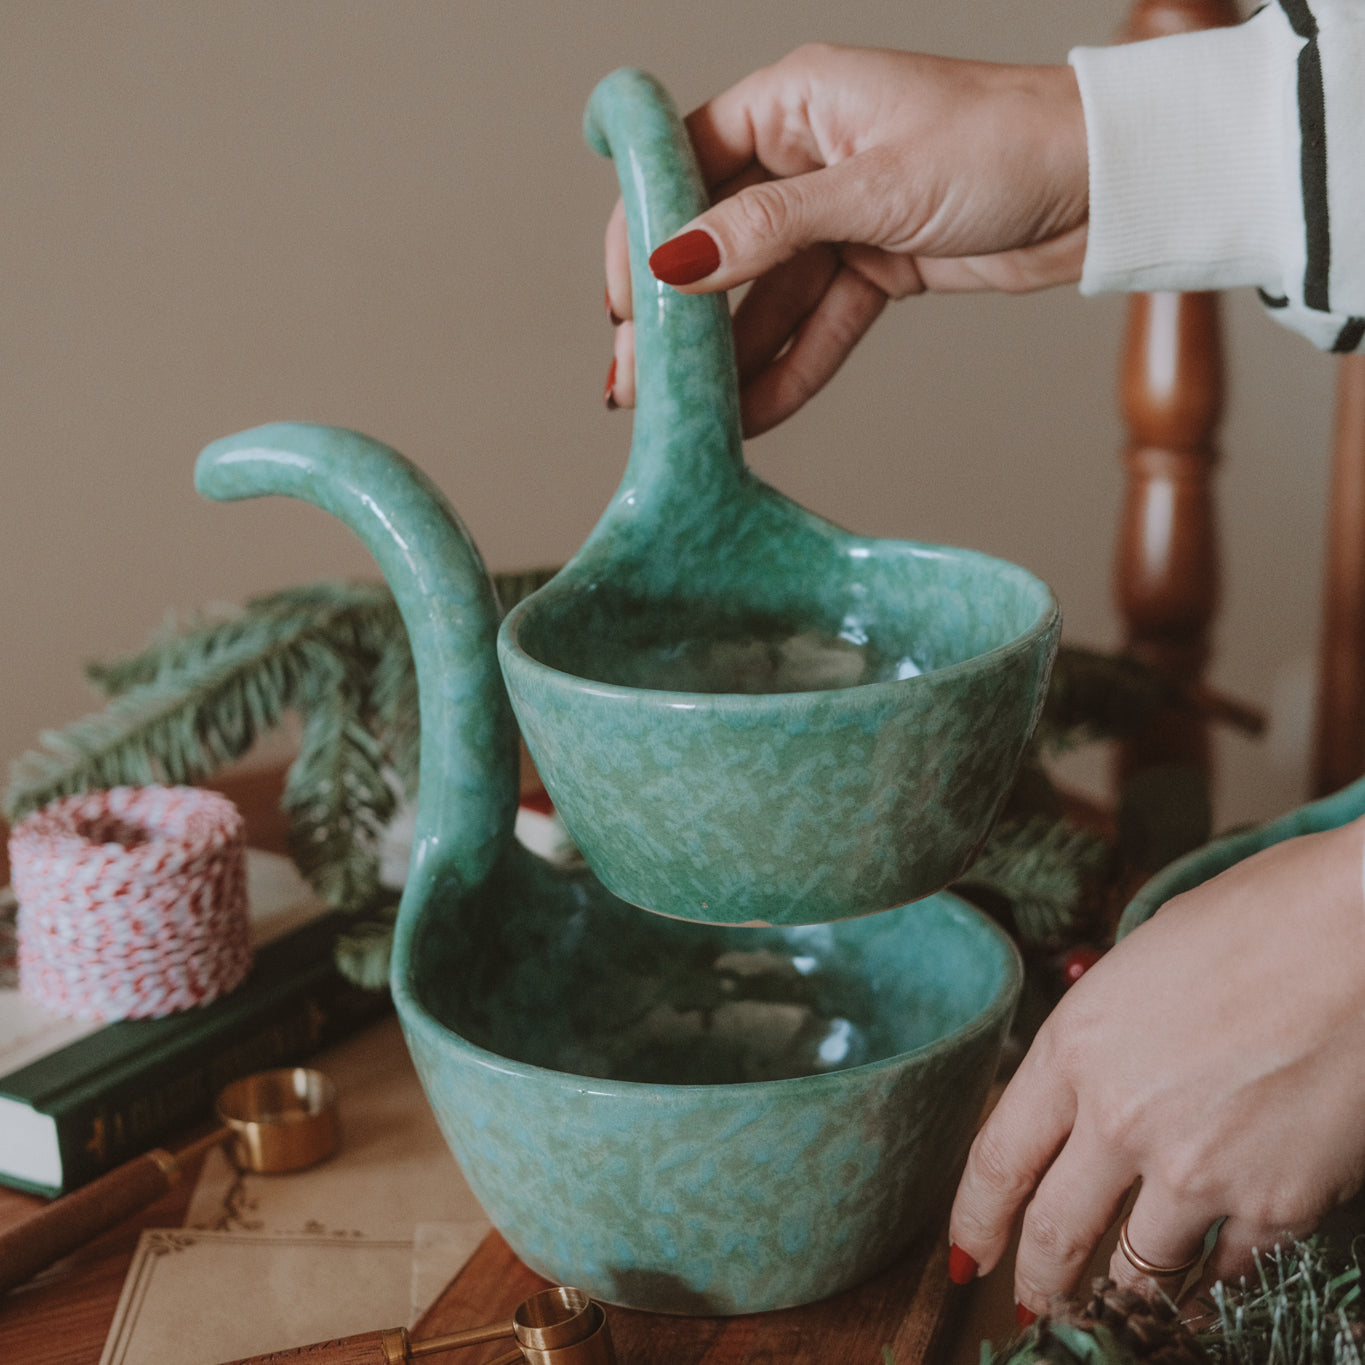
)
(1235, 156)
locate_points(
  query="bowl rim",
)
(1002, 1002)
(1046, 623)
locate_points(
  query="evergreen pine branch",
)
(393, 685)
(174, 732)
(1301, 1305)
(1095, 696)
(1041, 866)
(170, 650)
(396, 715)
(337, 794)
(189, 704)
(190, 647)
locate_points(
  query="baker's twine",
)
(132, 902)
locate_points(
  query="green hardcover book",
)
(79, 1098)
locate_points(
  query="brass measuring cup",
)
(282, 1120)
(557, 1326)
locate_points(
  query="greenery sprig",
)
(1301, 1305)
(1042, 867)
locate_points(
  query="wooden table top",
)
(63, 1316)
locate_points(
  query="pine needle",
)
(157, 732)
(1302, 1306)
(189, 704)
(201, 693)
(337, 795)
(1040, 866)
(1095, 696)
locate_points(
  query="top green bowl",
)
(797, 747)
(743, 713)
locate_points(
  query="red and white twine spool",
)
(132, 902)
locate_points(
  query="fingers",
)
(1073, 1207)
(1015, 1146)
(1163, 1232)
(760, 120)
(621, 377)
(763, 225)
(772, 310)
(793, 330)
(620, 388)
(822, 342)
(618, 264)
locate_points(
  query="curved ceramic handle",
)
(687, 436)
(468, 788)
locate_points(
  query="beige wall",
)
(382, 215)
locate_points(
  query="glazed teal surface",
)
(677, 1117)
(1205, 863)
(743, 713)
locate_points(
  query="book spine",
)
(97, 1132)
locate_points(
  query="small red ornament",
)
(1077, 962)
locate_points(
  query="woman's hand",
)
(844, 177)
(1217, 1054)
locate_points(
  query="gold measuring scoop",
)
(278, 1121)
(559, 1326)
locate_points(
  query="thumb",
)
(761, 226)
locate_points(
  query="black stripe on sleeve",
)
(1312, 156)
(1350, 336)
(1273, 300)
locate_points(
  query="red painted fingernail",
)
(609, 397)
(1025, 1317)
(961, 1267)
(611, 312)
(686, 259)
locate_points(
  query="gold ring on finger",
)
(1140, 1263)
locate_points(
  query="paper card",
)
(199, 1298)
(392, 1172)
(439, 1253)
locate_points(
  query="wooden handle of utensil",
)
(386, 1347)
(75, 1218)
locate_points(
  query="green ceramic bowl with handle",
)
(679, 1117)
(744, 713)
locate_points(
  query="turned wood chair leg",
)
(1167, 562)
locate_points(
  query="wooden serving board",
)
(905, 1315)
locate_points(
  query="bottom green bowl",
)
(698, 1119)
